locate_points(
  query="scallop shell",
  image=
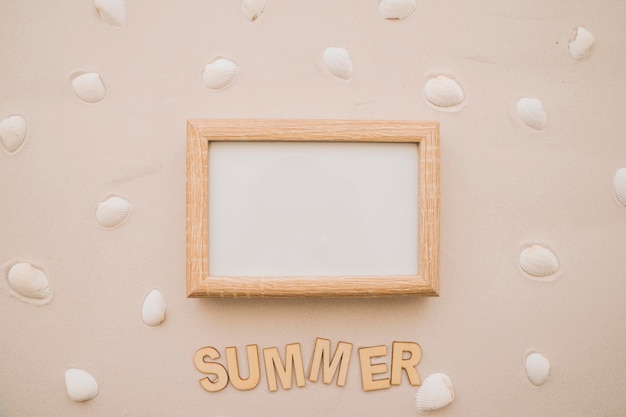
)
(80, 385)
(580, 44)
(531, 111)
(619, 185)
(442, 91)
(338, 62)
(112, 12)
(113, 211)
(13, 132)
(538, 261)
(537, 369)
(436, 392)
(397, 9)
(153, 310)
(252, 9)
(29, 281)
(219, 74)
(89, 87)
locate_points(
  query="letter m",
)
(322, 359)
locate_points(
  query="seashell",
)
(219, 74)
(396, 9)
(153, 310)
(80, 385)
(580, 44)
(538, 261)
(89, 87)
(338, 62)
(436, 392)
(252, 9)
(29, 281)
(112, 12)
(13, 132)
(112, 212)
(531, 111)
(442, 91)
(537, 369)
(619, 185)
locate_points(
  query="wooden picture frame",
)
(200, 133)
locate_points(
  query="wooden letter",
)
(368, 370)
(220, 380)
(273, 365)
(398, 362)
(341, 360)
(254, 373)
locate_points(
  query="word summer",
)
(330, 366)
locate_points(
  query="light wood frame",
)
(201, 132)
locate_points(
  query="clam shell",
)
(252, 9)
(89, 87)
(580, 44)
(537, 369)
(153, 310)
(80, 385)
(112, 212)
(13, 132)
(112, 12)
(436, 392)
(619, 185)
(338, 62)
(29, 281)
(396, 9)
(442, 91)
(531, 112)
(538, 261)
(219, 74)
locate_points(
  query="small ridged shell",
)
(436, 392)
(219, 74)
(153, 310)
(397, 9)
(338, 62)
(538, 261)
(112, 12)
(531, 112)
(580, 44)
(80, 385)
(29, 281)
(252, 9)
(89, 87)
(113, 211)
(619, 185)
(537, 369)
(442, 91)
(13, 132)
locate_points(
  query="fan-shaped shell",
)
(338, 62)
(396, 9)
(29, 281)
(153, 310)
(80, 385)
(219, 74)
(537, 368)
(442, 91)
(531, 112)
(538, 261)
(252, 9)
(112, 12)
(13, 132)
(619, 185)
(580, 44)
(89, 87)
(436, 392)
(113, 211)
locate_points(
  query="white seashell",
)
(112, 12)
(219, 74)
(29, 281)
(538, 261)
(89, 87)
(113, 211)
(436, 392)
(537, 369)
(397, 9)
(80, 385)
(580, 44)
(252, 9)
(531, 111)
(153, 310)
(442, 91)
(619, 185)
(13, 132)
(338, 62)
